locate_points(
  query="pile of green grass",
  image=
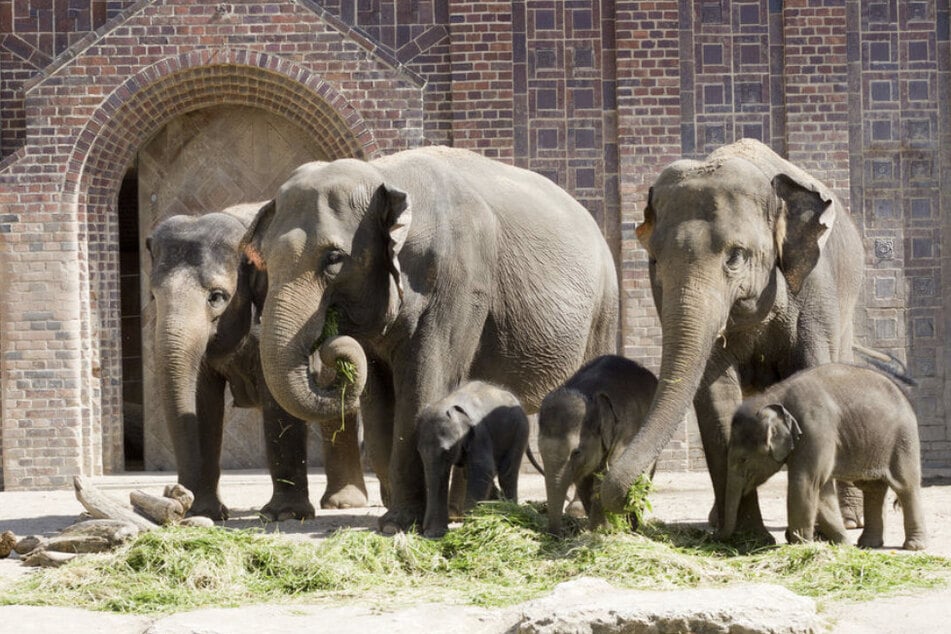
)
(501, 555)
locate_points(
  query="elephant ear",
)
(804, 228)
(645, 229)
(256, 280)
(782, 431)
(251, 242)
(396, 216)
(609, 421)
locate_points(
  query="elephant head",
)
(575, 435)
(329, 242)
(203, 292)
(760, 442)
(727, 239)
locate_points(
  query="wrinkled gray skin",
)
(481, 428)
(207, 298)
(755, 268)
(831, 422)
(585, 424)
(445, 266)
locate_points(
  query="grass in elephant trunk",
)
(346, 370)
(501, 555)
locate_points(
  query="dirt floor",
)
(678, 497)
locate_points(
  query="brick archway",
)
(107, 147)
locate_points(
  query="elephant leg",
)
(480, 481)
(457, 493)
(285, 439)
(508, 468)
(209, 426)
(829, 516)
(377, 411)
(850, 501)
(909, 496)
(422, 381)
(801, 508)
(342, 464)
(873, 493)
(715, 404)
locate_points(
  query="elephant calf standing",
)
(831, 422)
(479, 427)
(587, 422)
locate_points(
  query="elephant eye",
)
(333, 261)
(737, 257)
(217, 298)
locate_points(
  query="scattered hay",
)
(501, 555)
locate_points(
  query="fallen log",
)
(115, 531)
(162, 510)
(47, 558)
(177, 492)
(101, 506)
(78, 544)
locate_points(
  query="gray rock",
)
(593, 606)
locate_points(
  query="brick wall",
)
(598, 96)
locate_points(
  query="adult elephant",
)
(208, 298)
(755, 268)
(444, 265)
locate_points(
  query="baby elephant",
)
(831, 422)
(479, 427)
(585, 423)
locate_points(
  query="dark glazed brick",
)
(919, 90)
(713, 54)
(921, 208)
(749, 14)
(881, 90)
(711, 12)
(880, 52)
(918, 52)
(881, 130)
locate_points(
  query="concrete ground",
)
(678, 497)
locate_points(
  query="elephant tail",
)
(886, 363)
(533, 460)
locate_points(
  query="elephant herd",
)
(465, 293)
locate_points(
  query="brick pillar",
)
(649, 137)
(44, 440)
(482, 73)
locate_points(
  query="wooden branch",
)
(47, 558)
(115, 531)
(184, 497)
(160, 510)
(78, 544)
(101, 506)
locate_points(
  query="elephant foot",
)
(575, 509)
(915, 544)
(280, 509)
(400, 520)
(349, 497)
(213, 509)
(852, 520)
(870, 541)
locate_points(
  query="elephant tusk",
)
(721, 336)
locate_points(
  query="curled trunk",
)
(304, 381)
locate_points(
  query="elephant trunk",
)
(692, 317)
(180, 346)
(557, 482)
(305, 381)
(436, 519)
(735, 486)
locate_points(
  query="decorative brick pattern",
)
(598, 96)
